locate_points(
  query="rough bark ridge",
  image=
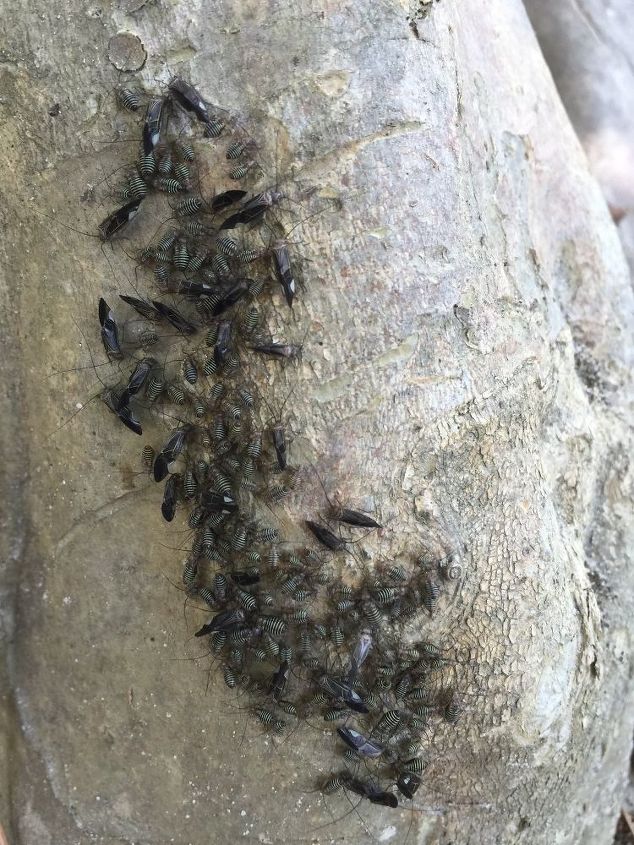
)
(505, 420)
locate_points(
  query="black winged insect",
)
(116, 398)
(189, 98)
(359, 655)
(280, 351)
(360, 744)
(109, 331)
(142, 306)
(118, 404)
(358, 519)
(154, 124)
(282, 264)
(279, 680)
(363, 788)
(168, 505)
(138, 378)
(253, 209)
(119, 218)
(342, 691)
(215, 501)
(170, 451)
(175, 318)
(228, 621)
(325, 536)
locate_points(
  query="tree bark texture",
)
(467, 370)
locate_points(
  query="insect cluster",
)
(285, 629)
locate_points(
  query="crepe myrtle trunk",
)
(467, 373)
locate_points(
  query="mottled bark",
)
(468, 370)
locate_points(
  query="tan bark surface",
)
(506, 422)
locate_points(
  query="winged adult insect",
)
(359, 655)
(119, 218)
(109, 331)
(228, 621)
(253, 209)
(325, 536)
(342, 691)
(168, 505)
(189, 98)
(170, 451)
(142, 306)
(153, 125)
(118, 404)
(174, 317)
(279, 680)
(215, 501)
(360, 744)
(280, 351)
(226, 199)
(139, 376)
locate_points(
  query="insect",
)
(279, 680)
(185, 150)
(365, 789)
(190, 206)
(165, 164)
(152, 125)
(408, 783)
(144, 308)
(109, 331)
(282, 264)
(342, 691)
(226, 199)
(359, 655)
(168, 506)
(215, 501)
(253, 209)
(227, 621)
(147, 165)
(221, 347)
(189, 98)
(170, 451)
(241, 170)
(168, 185)
(189, 371)
(453, 709)
(136, 187)
(431, 592)
(175, 318)
(121, 409)
(118, 219)
(231, 297)
(129, 99)
(363, 746)
(346, 515)
(138, 379)
(147, 457)
(325, 536)
(213, 129)
(281, 351)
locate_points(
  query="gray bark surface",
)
(508, 426)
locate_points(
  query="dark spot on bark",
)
(588, 372)
(54, 110)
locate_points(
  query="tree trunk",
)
(467, 369)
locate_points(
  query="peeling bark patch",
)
(126, 51)
(334, 83)
(130, 6)
(401, 353)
